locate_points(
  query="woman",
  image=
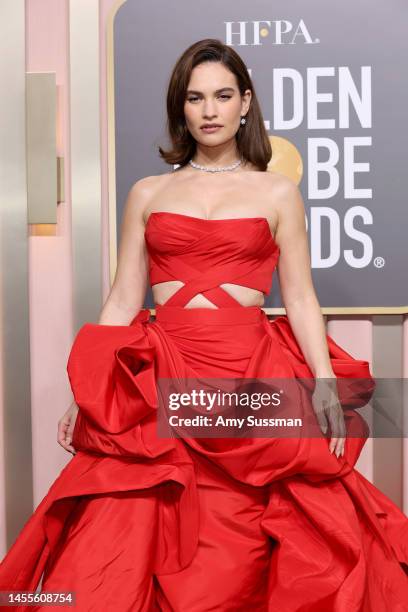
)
(138, 521)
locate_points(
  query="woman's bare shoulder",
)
(278, 182)
(148, 184)
(284, 192)
(146, 188)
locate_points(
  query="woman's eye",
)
(225, 96)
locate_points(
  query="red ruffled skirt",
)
(136, 522)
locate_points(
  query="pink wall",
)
(50, 268)
(50, 265)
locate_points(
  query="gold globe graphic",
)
(286, 159)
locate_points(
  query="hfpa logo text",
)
(279, 32)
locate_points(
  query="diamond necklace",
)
(219, 169)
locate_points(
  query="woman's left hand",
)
(327, 408)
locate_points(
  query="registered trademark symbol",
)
(317, 40)
(379, 262)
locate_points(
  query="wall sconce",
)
(45, 171)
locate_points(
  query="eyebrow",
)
(193, 91)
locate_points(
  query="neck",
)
(214, 157)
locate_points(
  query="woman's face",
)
(213, 97)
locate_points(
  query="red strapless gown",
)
(135, 522)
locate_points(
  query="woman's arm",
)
(128, 289)
(295, 279)
(303, 309)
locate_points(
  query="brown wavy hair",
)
(252, 138)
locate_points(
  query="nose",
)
(209, 110)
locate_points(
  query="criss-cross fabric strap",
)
(207, 283)
(207, 287)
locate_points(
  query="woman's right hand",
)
(66, 426)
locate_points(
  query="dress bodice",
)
(205, 253)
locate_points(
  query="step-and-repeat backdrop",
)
(330, 80)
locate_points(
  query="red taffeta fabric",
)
(136, 522)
